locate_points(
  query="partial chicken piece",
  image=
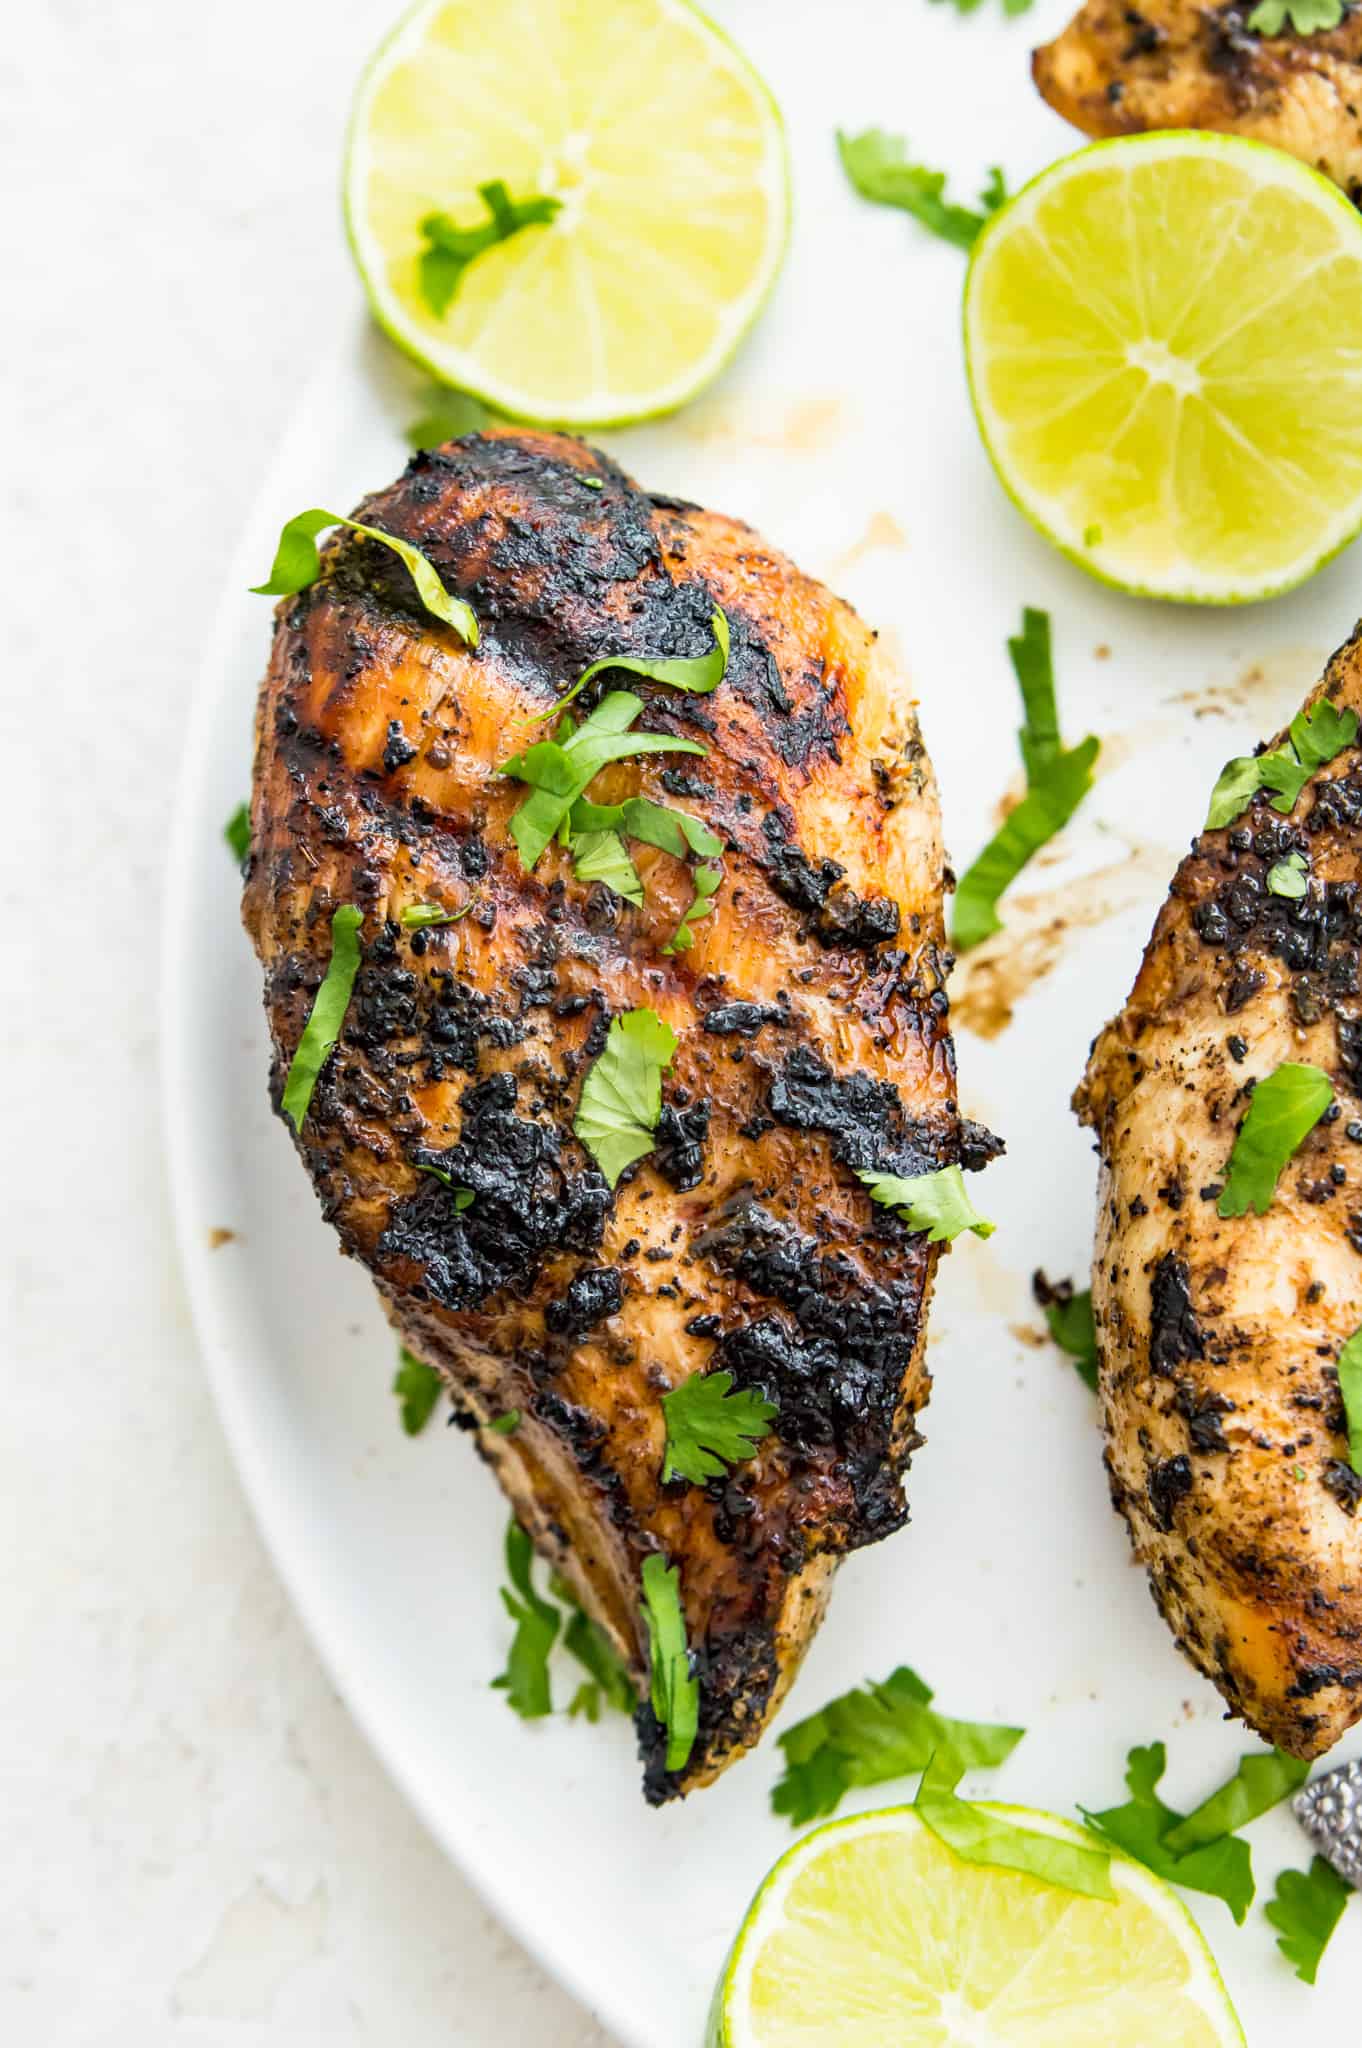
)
(1227, 1443)
(810, 1015)
(1120, 70)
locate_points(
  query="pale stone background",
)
(195, 1844)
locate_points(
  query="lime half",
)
(871, 1933)
(665, 151)
(1162, 340)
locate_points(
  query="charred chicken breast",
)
(809, 1016)
(1227, 1439)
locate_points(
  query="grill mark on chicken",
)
(806, 1043)
(1227, 1442)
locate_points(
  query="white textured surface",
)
(197, 1845)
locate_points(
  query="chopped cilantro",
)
(507, 1424)
(1315, 738)
(591, 483)
(979, 1836)
(1269, 18)
(419, 917)
(1057, 780)
(706, 880)
(709, 1427)
(1069, 1315)
(1305, 1909)
(525, 1681)
(463, 1197)
(298, 564)
(1289, 877)
(872, 1734)
(237, 833)
(1350, 1387)
(452, 414)
(675, 1692)
(417, 1386)
(329, 1006)
(1222, 1868)
(559, 770)
(697, 673)
(604, 857)
(938, 1203)
(1261, 1781)
(621, 1098)
(450, 248)
(608, 1678)
(1283, 1110)
(877, 165)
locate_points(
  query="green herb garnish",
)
(1314, 739)
(604, 857)
(1269, 18)
(697, 673)
(1283, 1110)
(297, 564)
(877, 165)
(505, 1425)
(978, 1836)
(1057, 780)
(419, 917)
(1289, 877)
(452, 248)
(559, 770)
(596, 834)
(463, 1197)
(706, 881)
(1261, 1781)
(621, 1098)
(525, 1681)
(1070, 1318)
(327, 1014)
(609, 1680)
(452, 414)
(1222, 1868)
(675, 1693)
(1305, 1909)
(237, 833)
(709, 1427)
(1350, 1387)
(938, 1203)
(418, 1387)
(870, 1735)
(1010, 7)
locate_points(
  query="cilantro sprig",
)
(873, 1734)
(1057, 780)
(1283, 1110)
(558, 771)
(675, 1691)
(710, 1427)
(329, 1005)
(418, 1387)
(877, 165)
(621, 1098)
(1314, 739)
(525, 1681)
(700, 674)
(978, 1836)
(938, 1202)
(450, 249)
(1269, 18)
(297, 564)
(1305, 1908)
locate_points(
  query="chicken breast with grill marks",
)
(1219, 1337)
(1119, 70)
(810, 1016)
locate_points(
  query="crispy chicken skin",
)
(1226, 1440)
(1118, 70)
(810, 1016)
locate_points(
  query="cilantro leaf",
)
(419, 917)
(675, 1692)
(597, 1656)
(1305, 1909)
(877, 165)
(452, 414)
(463, 1197)
(297, 564)
(621, 1098)
(1057, 780)
(525, 1681)
(1222, 1868)
(237, 833)
(1283, 1110)
(452, 248)
(1269, 18)
(1350, 1387)
(1237, 782)
(978, 1836)
(709, 1427)
(707, 880)
(938, 1203)
(559, 770)
(1070, 1318)
(327, 1014)
(603, 857)
(675, 832)
(1321, 733)
(870, 1735)
(1261, 1780)
(1289, 877)
(418, 1387)
(1315, 738)
(505, 1425)
(697, 673)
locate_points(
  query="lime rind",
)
(463, 371)
(728, 2024)
(1072, 537)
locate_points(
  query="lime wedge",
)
(871, 1933)
(665, 151)
(1162, 340)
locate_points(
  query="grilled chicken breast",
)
(810, 1017)
(1118, 70)
(1226, 1434)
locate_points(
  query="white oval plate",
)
(844, 435)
